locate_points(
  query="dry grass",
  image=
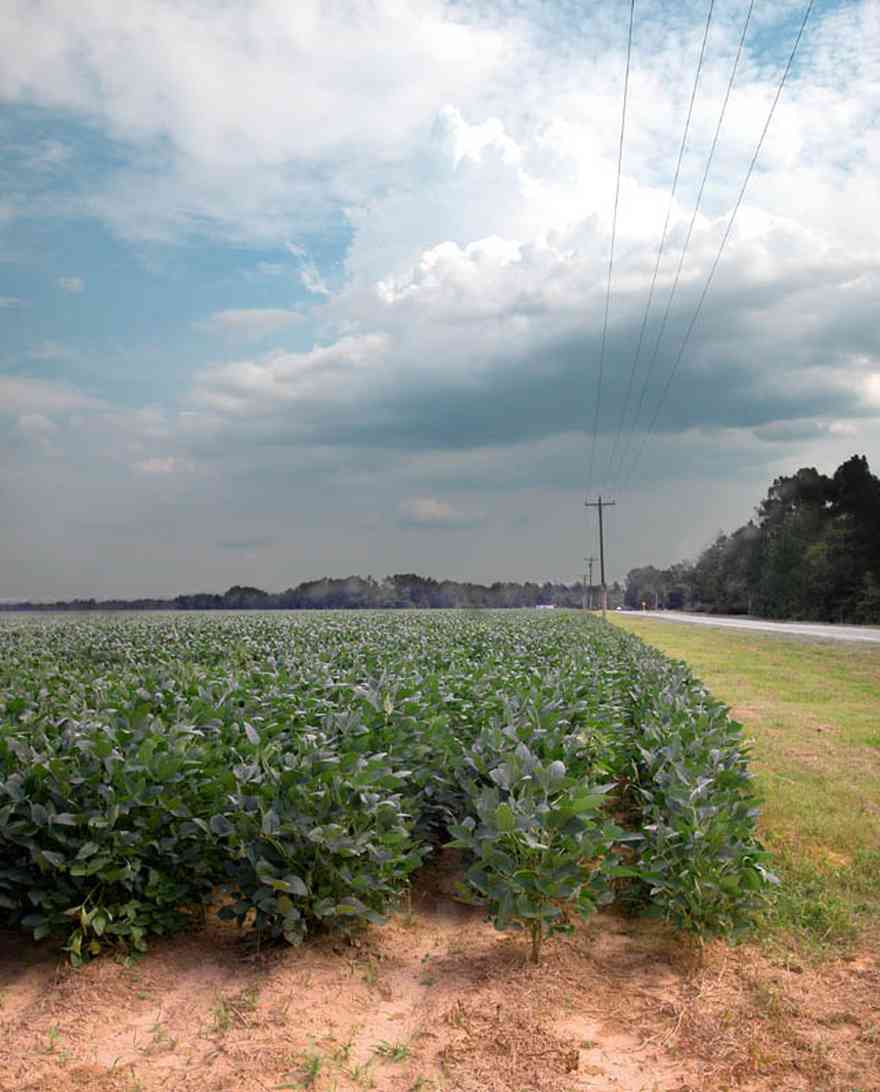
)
(448, 1006)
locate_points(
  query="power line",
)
(662, 327)
(632, 9)
(662, 244)
(724, 239)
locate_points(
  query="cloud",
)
(254, 322)
(51, 350)
(498, 342)
(785, 432)
(158, 464)
(430, 513)
(36, 424)
(38, 431)
(48, 155)
(25, 395)
(449, 190)
(72, 285)
(289, 91)
(312, 281)
(246, 544)
(10, 302)
(279, 381)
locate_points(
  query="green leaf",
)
(220, 825)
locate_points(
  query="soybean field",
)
(292, 773)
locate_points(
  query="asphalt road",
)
(821, 630)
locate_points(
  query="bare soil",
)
(438, 1000)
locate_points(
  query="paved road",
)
(871, 634)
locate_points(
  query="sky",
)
(291, 290)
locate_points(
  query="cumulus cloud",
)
(784, 432)
(267, 386)
(430, 513)
(38, 431)
(159, 464)
(36, 424)
(312, 280)
(250, 322)
(72, 285)
(498, 342)
(481, 216)
(22, 394)
(285, 88)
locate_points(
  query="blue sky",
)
(288, 290)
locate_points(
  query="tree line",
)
(403, 590)
(811, 552)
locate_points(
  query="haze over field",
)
(301, 289)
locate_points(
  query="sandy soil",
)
(437, 1000)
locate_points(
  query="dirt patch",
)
(438, 1000)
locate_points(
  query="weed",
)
(456, 1017)
(231, 1010)
(162, 1042)
(427, 976)
(391, 1052)
(342, 1053)
(807, 906)
(310, 1068)
(406, 911)
(361, 1075)
(55, 1046)
(222, 1015)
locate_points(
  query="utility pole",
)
(588, 561)
(600, 504)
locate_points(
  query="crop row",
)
(294, 771)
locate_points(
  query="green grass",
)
(811, 711)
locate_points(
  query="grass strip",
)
(811, 710)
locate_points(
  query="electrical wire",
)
(662, 243)
(632, 9)
(723, 244)
(684, 250)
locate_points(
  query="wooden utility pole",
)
(600, 504)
